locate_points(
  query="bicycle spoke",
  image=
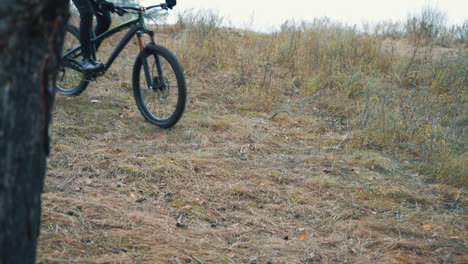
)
(158, 95)
(70, 81)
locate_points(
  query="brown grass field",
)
(311, 145)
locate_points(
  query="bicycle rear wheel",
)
(159, 86)
(70, 79)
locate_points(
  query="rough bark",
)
(31, 35)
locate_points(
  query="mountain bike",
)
(158, 80)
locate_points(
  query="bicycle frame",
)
(137, 27)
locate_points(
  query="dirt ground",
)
(233, 183)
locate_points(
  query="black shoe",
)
(90, 65)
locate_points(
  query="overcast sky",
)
(265, 14)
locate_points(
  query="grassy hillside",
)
(314, 144)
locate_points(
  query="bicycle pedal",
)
(89, 78)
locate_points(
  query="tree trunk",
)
(31, 36)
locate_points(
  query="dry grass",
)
(268, 165)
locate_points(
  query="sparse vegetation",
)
(318, 143)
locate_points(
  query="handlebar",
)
(121, 10)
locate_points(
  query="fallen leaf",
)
(68, 239)
(427, 227)
(164, 211)
(370, 212)
(133, 219)
(302, 236)
(132, 195)
(245, 239)
(231, 253)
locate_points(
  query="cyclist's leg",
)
(86, 21)
(103, 20)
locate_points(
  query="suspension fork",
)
(146, 68)
(156, 57)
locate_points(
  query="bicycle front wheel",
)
(159, 86)
(70, 79)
